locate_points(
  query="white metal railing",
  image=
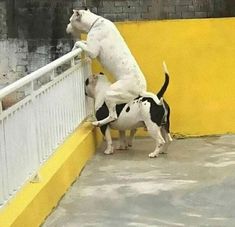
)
(32, 128)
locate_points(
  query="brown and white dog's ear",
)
(95, 77)
(91, 80)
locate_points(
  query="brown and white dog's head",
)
(90, 85)
(95, 84)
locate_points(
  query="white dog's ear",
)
(75, 11)
(77, 14)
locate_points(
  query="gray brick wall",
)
(122, 10)
(43, 19)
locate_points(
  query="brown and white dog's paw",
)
(129, 144)
(122, 147)
(169, 137)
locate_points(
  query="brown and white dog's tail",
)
(165, 85)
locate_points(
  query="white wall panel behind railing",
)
(32, 128)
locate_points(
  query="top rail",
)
(40, 72)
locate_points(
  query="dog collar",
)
(93, 24)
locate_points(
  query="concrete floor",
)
(192, 185)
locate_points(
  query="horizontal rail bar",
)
(37, 74)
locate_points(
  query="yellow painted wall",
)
(200, 55)
(35, 201)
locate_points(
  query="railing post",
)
(52, 74)
(0, 107)
(3, 162)
(72, 62)
(34, 123)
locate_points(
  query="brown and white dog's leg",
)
(159, 144)
(108, 138)
(122, 141)
(131, 138)
(167, 138)
(155, 132)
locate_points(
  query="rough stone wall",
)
(121, 10)
(3, 20)
(32, 32)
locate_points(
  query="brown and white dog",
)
(140, 112)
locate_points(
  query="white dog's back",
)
(114, 52)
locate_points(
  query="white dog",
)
(140, 112)
(105, 42)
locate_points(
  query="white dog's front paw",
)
(153, 154)
(96, 123)
(75, 46)
(108, 151)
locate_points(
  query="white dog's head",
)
(80, 21)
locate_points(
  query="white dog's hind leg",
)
(108, 138)
(122, 91)
(112, 117)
